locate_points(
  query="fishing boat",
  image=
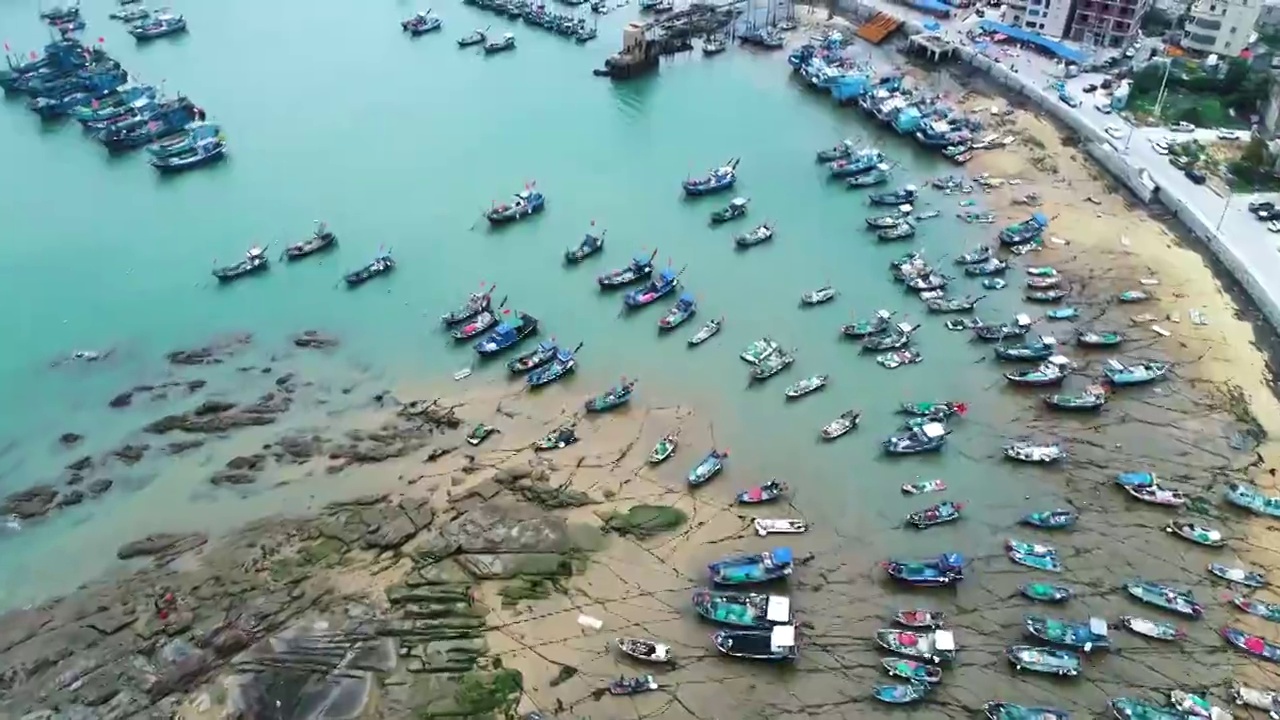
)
(775, 644)
(920, 618)
(1026, 351)
(590, 245)
(632, 686)
(656, 289)
(206, 152)
(785, 526)
(1093, 398)
(826, 293)
(707, 468)
(953, 305)
(943, 570)
(1176, 600)
(839, 152)
(505, 43)
(1048, 563)
(562, 364)
(857, 163)
(1157, 495)
(994, 283)
(1151, 628)
(716, 180)
(901, 231)
(902, 694)
(1239, 576)
(1051, 372)
(884, 222)
(898, 358)
(1049, 661)
(124, 100)
(161, 24)
(912, 670)
(943, 512)
(130, 14)
(421, 23)
(756, 236)
(1264, 700)
(922, 487)
(1259, 608)
(380, 265)
(1122, 375)
(321, 239)
(479, 433)
(934, 409)
(975, 257)
(558, 439)
(506, 334)
(189, 138)
(1003, 331)
(478, 324)
(665, 448)
(713, 45)
(1197, 706)
(927, 438)
(741, 609)
(1133, 296)
(767, 492)
(806, 386)
(524, 204)
(761, 567)
(647, 650)
(986, 268)
(537, 357)
(614, 397)
(1137, 479)
(639, 270)
(475, 38)
(1092, 338)
(1050, 519)
(760, 350)
(1043, 283)
(736, 208)
(1011, 711)
(684, 309)
(901, 196)
(1088, 636)
(710, 328)
(893, 338)
(1034, 452)
(1252, 644)
(863, 328)
(1028, 230)
(847, 421)
(1045, 296)
(1198, 534)
(1067, 313)
(936, 647)
(771, 365)
(1252, 499)
(1045, 592)
(878, 175)
(254, 260)
(476, 304)
(1130, 709)
(930, 281)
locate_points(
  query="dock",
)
(644, 43)
(931, 45)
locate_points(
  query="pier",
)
(933, 46)
(644, 43)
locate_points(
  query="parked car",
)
(1114, 131)
(1103, 106)
(1179, 162)
(1090, 88)
(1274, 226)
(1160, 147)
(1183, 127)
(1107, 83)
(1228, 135)
(1259, 206)
(1195, 176)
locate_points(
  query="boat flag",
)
(101, 40)
(961, 408)
(34, 55)
(6, 47)
(506, 311)
(94, 104)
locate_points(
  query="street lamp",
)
(1225, 207)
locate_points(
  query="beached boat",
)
(1051, 372)
(1066, 313)
(642, 649)
(716, 180)
(863, 328)
(927, 438)
(943, 570)
(1124, 375)
(1157, 495)
(1239, 576)
(590, 245)
(934, 409)
(826, 293)
(1252, 499)
(775, 644)
(901, 694)
(1151, 628)
(562, 364)
(421, 23)
(1259, 608)
(1047, 563)
(1130, 709)
(902, 196)
(751, 238)
(736, 208)
(1265, 700)
(526, 203)
(663, 285)
(639, 270)
(503, 44)
(761, 567)
(1050, 519)
(380, 265)
(1197, 706)
(537, 357)
(922, 487)
(1198, 534)
(898, 358)
(936, 647)
(847, 421)
(479, 433)
(161, 24)
(742, 609)
(1093, 398)
(767, 492)
(772, 365)
(784, 526)
(321, 239)
(1092, 338)
(130, 15)
(986, 268)
(943, 512)
(476, 37)
(912, 670)
(707, 468)
(1252, 644)
(1043, 283)
(558, 439)
(1011, 711)
(684, 309)
(806, 386)
(759, 350)
(1137, 479)
(1026, 351)
(1133, 296)
(1176, 600)
(1046, 592)
(1049, 661)
(1046, 296)
(614, 397)
(665, 448)
(709, 329)
(1034, 452)
(254, 261)
(1003, 331)
(1088, 636)
(632, 686)
(975, 257)
(839, 152)
(1028, 230)
(920, 618)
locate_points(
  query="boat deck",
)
(879, 27)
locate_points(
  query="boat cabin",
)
(944, 641)
(778, 609)
(1022, 319)
(783, 638)
(933, 430)
(1098, 627)
(883, 314)
(738, 203)
(779, 557)
(906, 208)
(1060, 360)
(1049, 340)
(255, 252)
(906, 328)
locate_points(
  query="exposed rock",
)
(99, 486)
(490, 566)
(216, 416)
(388, 442)
(211, 354)
(75, 479)
(131, 454)
(247, 462)
(212, 407)
(81, 465)
(124, 399)
(299, 448)
(284, 380)
(233, 477)
(177, 448)
(32, 502)
(161, 545)
(70, 438)
(314, 340)
(431, 413)
(73, 497)
(196, 385)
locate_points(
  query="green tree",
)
(1148, 79)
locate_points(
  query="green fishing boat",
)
(665, 448)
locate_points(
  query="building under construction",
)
(644, 43)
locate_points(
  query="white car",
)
(1103, 106)
(1160, 147)
(1114, 131)
(1183, 127)
(1228, 135)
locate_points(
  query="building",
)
(1050, 18)
(1222, 27)
(1269, 17)
(1108, 23)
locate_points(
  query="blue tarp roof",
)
(1053, 46)
(931, 6)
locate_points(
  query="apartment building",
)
(1050, 18)
(1220, 26)
(1269, 17)
(1108, 23)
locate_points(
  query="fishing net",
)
(645, 520)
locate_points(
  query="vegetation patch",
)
(645, 520)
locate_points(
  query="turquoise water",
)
(332, 113)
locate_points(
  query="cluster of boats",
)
(537, 14)
(322, 239)
(72, 80)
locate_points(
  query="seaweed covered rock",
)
(643, 521)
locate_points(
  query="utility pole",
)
(1225, 207)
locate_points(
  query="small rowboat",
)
(974, 257)
(665, 448)
(819, 296)
(1252, 644)
(926, 486)
(1049, 661)
(1041, 283)
(1151, 628)
(1094, 338)
(1158, 495)
(1066, 313)
(1045, 592)
(1170, 598)
(900, 694)
(708, 468)
(806, 386)
(847, 421)
(632, 686)
(560, 438)
(919, 618)
(768, 492)
(1027, 548)
(938, 514)
(1093, 398)
(1033, 453)
(321, 239)
(1010, 711)
(1048, 563)
(535, 358)
(1050, 519)
(709, 329)
(912, 670)
(1260, 608)
(647, 650)
(1240, 576)
(935, 647)
(615, 396)
(1197, 534)
(898, 358)
(780, 526)
(590, 245)
(1046, 296)
(479, 433)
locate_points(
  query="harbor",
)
(803, 292)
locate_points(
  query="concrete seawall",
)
(1101, 148)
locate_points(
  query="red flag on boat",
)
(6, 47)
(101, 39)
(94, 104)
(506, 311)
(34, 55)
(961, 408)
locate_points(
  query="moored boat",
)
(476, 304)
(936, 647)
(775, 644)
(480, 433)
(806, 386)
(943, 570)
(927, 438)
(975, 257)
(755, 236)
(684, 309)
(380, 265)
(863, 328)
(1093, 398)
(590, 245)
(476, 37)
(736, 208)
(1046, 592)
(707, 468)
(716, 180)
(505, 43)
(923, 486)
(665, 448)
(763, 567)
(562, 364)
(421, 23)
(1050, 519)
(1026, 351)
(953, 305)
(525, 203)
(161, 24)
(476, 325)
(938, 514)
(743, 609)
(185, 140)
(639, 270)
(1239, 576)
(1258, 608)
(507, 334)
(878, 175)
(920, 618)
(321, 239)
(709, 329)
(632, 686)
(772, 365)
(1251, 498)
(847, 421)
(1120, 374)
(1049, 661)
(1157, 495)
(767, 492)
(614, 397)
(903, 230)
(759, 350)
(1198, 534)
(839, 152)
(1151, 628)
(902, 694)
(1088, 636)
(912, 670)
(1264, 700)
(901, 196)
(254, 260)
(1034, 452)
(537, 357)
(1051, 372)
(826, 293)
(656, 289)
(205, 152)
(1176, 600)
(1093, 338)
(1130, 709)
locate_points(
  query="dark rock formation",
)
(124, 399)
(161, 545)
(216, 416)
(314, 340)
(32, 502)
(298, 448)
(181, 446)
(73, 497)
(99, 486)
(211, 354)
(69, 438)
(130, 454)
(81, 465)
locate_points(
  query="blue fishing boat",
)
(1129, 709)
(926, 438)
(707, 468)
(1088, 636)
(1122, 375)
(160, 25)
(1010, 711)
(775, 644)
(184, 140)
(902, 196)
(535, 358)
(562, 364)
(590, 245)
(656, 289)
(205, 152)
(1026, 231)
(507, 334)
(527, 202)
(1027, 351)
(168, 118)
(862, 161)
(750, 569)
(1049, 661)
(684, 309)
(641, 268)
(1045, 592)
(1136, 479)
(900, 694)
(743, 609)
(115, 105)
(1050, 519)
(98, 80)
(1048, 563)
(1177, 600)
(1239, 576)
(716, 180)
(1251, 498)
(614, 397)
(943, 570)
